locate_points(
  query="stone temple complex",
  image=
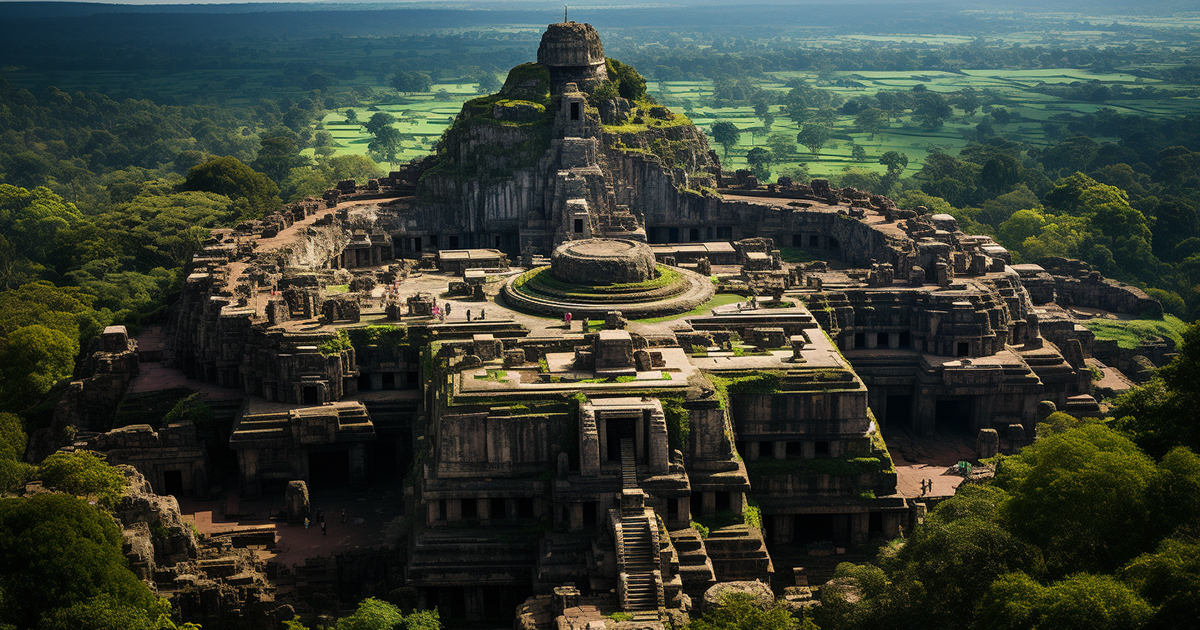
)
(520, 333)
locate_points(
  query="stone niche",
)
(601, 261)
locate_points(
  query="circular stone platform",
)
(603, 261)
(669, 290)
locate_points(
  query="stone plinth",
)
(602, 261)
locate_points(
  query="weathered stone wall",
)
(1077, 284)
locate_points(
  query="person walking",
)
(567, 319)
(323, 532)
(305, 522)
(468, 314)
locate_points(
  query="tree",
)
(760, 160)
(13, 469)
(1080, 602)
(1081, 496)
(254, 193)
(782, 145)
(726, 134)
(870, 120)
(277, 156)
(378, 121)
(895, 162)
(931, 110)
(372, 614)
(409, 82)
(32, 359)
(630, 84)
(1165, 412)
(386, 144)
(1169, 579)
(740, 611)
(351, 116)
(83, 474)
(57, 551)
(488, 83)
(814, 136)
(967, 100)
(858, 152)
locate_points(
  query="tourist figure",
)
(482, 314)
(468, 314)
(447, 310)
(305, 522)
(567, 319)
(323, 528)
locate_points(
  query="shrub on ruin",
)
(83, 474)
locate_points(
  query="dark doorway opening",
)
(497, 509)
(329, 470)
(833, 243)
(497, 242)
(813, 240)
(389, 380)
(574, 111)
(454, 241)
(875, 525)
(899, 412)
(694, 235)
(860, 341)
(795, 450)
(525, 507)
(964, 349)
(273, 487)
(810, 528)
(579, 226)
(364, 382)
(618, 429)
(797, 240)
(724, 502)
(173, 482)
(312, 395)
(821, 448)
(672, 509)
(672, 235)
(383, 459)
(589, 514)
(766, 450)
(952, 416)
(882, 340)
(470, 509)
(905, 340)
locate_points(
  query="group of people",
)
(926, 486)
(319, 518)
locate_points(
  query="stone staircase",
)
(738, 553)
(695, 567)
(628, 465)
(640, 585)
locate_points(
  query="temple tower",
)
(573, 53)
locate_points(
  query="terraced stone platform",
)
(674, 290)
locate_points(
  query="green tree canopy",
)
(1080, 602)
(814, 136)
(726, 134)
(83, 474)
(32, 359)
(1081, 496)
(57, 551)
(254, 193)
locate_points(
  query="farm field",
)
(424, 117)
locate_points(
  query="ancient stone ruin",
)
(585, 433)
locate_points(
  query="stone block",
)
(614, 350)
(514, 357)
(987, 443)
(296, 500)
(487, 347)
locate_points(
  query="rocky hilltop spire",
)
(572, 52)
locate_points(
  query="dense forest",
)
(126, 136)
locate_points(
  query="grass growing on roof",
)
(1129, 333)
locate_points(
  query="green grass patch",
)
(1129, 333)
(492, 375)
(337, 289)
(797, 255)
(720, 299)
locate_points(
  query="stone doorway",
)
(617, 429)
(173, 482)
(899, 413)
(952, 416)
